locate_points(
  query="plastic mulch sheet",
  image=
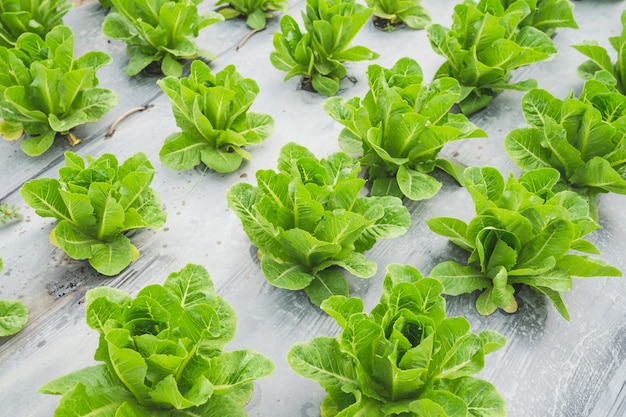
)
(550, 367)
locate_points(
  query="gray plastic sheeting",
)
(550, 367)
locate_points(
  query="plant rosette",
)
(95, 205)
(400, 127)
(212, 111)
(307, 220)
(158, 31)
(44, 91)
(405, 358)
(8, 214)
(38, 17)
(484, 45)
(256, 12)
(318, 54)
(583, 138)
(163, 354)
(524, 233)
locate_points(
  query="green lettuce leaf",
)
(47, 91)
(13, 316)
(319, 52)
(580, 137)
(159, 32)
(523, 234)
(256, 12)
(489, 39)
(399, 128)
(211, 109)
(308, 219)
(95, 204)
(404, 358)
(162, 353)
(19, 17)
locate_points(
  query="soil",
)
(385, 24)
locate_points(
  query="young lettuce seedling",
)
(29, 16)
(307, 219)
(522, 234)
(162, 354)
(95, 205)
(399, 128)
(44, 91)
(158, 31)
(405, 358)
(484, 45)
(8, 214)
(256, 12)
(389, 13)
(212, 111)
(319, 53)
(581, 138)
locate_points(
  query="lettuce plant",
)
(95, 205)
(399, 128)
(318, 54)
(13, 314)
(584, 138)
(522, 234)
(307, 218)
(158, 31)
(212, 111)
(162, 354)
(390, 13)
(256, 12)
(44, 91)
(484, 45)
(405, 358)
(600, 60)
(29, 16)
